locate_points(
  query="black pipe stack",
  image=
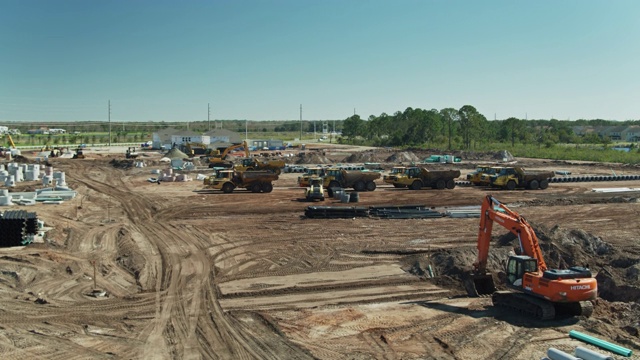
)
(15, 225)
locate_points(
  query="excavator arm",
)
(494, 211)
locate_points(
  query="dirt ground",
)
(194, 274)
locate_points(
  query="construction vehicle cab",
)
(131, 153)
(539, 291)
(392, 177)
(304, 180)
(79, 154)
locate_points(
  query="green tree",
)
(353, 127)
(451, 118)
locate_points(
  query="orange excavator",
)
(534, 289)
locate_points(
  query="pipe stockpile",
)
(592, 178)
(336, 212)
(587, 354)
(600, 343)
(555, 354)
(15, 225)
(405, 212)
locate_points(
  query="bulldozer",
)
(79, 154)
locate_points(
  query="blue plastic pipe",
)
(600, 343)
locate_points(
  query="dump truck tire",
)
(451, 184)
(534, 185)
(416, 185)
(268, 187)
(371, 186)
(544, 184)
(441, 184)
(511, 185)
(359, 186)
(227, 188)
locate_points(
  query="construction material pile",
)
(16, 226)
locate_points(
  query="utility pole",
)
(300, 122)
(208, 116)
(109, 123)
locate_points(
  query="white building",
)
(184, 137)
(4, 129)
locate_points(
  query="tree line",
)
(465, 128)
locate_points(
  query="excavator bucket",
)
(479, 284)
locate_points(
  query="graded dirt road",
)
(194, 274)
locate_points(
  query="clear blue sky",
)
(259, 60)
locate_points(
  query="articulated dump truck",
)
(356, 179)
(511, 178)
(415, 178)
(229, 180)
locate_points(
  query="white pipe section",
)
(588, 354)
(555, 354)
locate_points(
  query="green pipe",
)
(600, 343)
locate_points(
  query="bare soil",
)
(193, 274)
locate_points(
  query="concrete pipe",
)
(555, 354)
(587, 354)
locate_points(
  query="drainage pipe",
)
(600, 343)
(555, 354)
(588, 354)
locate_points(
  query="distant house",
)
(224, 135)
(632, 133)
(40, 131)
(4, 129)
(184, 137)
(162, 138)
(57, 131)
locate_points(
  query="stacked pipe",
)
(404, 212)
(593, 178)
(336, 212)
(15, 225)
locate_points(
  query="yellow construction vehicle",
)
(219, 160)
(315, 191)
(229, 180)
(482, 174)
(511, 178)
(303, 181)
(13, 145)
(392, 178)
(250, 164)
(79, 153)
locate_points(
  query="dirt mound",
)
(176, 154)
(503, 155)
(618, 278)
(312, 158)
(122, 164)
(403, 157)
(362, 157)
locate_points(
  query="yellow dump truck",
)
(229, 180)
(392, 177)
(303, 180)
(415, 178)
(511, 178)
(357, 179)
(482, 174)
(250, 164)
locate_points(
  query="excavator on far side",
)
(534, 289)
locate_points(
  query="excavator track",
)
(538, 308)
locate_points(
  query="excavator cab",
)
(517, 266)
